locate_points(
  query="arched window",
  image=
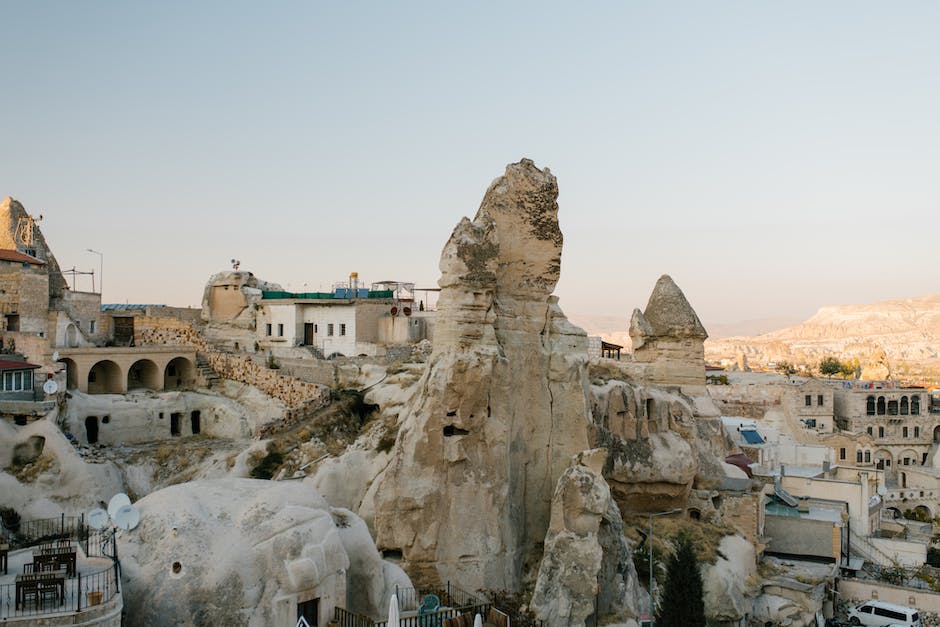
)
(915, 405)
(858, 455)
(881, 405)
(904, 406)
(870, 405)
(867, 457)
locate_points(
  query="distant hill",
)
(902, 334)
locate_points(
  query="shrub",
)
(10, 519)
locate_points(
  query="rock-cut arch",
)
(180, 372)
(105, 378)
(144, 374)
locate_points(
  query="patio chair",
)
(429, 604)
(48, 590)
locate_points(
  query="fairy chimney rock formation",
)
(502, 406)
(669, 336)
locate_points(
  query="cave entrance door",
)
(309, 611)
(91, 429)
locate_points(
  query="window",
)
(881, 432)
(342, 329)
(267, 329)
(915, 405)
(315, 329)
(17, 381)
(870, 431)
(867, 457)
(858, 457)
(904, 406)
(841, 453)
(280, 330)
(881, 405)
(892, 408)
(91, 326)
(819, 400)
(916, 432)
(904, 431)
(870, 405)
(329, 329)
(809, 400)
(907, 461)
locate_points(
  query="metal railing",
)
(454, 601)
(76, 593)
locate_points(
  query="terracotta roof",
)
(15, 255)
(10, 364)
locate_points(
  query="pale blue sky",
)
(771, 157)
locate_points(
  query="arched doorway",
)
(91, 429)
(883, 459)
(923, 513)
(105, 378)
(144, 374)
(936, 433)
(894, 511)
(179, 373)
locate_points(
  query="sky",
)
(771, 157)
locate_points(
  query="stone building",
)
(811, 402)
(900, 420)
(39, 311)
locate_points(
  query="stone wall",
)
(291, 391)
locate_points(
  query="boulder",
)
(247, 552)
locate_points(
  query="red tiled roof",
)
(14, 255)
(9, 364)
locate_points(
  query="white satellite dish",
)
(117, 501)
(127, 517)
(98, 518)
(50, 386)
(55, 356)
(882, 490)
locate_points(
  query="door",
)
(91, 429)
(309, 611)
(308, 334)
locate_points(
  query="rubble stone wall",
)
(293, 392)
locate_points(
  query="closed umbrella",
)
(393, 612)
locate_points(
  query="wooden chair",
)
(48, 590)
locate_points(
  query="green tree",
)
(786, 368)
(830, 366)
(682, 603)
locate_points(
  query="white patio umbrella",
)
(393, 612)
(478, 621)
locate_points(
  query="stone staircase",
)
(206, 372)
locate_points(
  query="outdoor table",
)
(32, 581)
(63, 557)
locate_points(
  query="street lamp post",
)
(650, 540)
(100, 269)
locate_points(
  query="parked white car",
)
(884, 614)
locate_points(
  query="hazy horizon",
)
(772, 159)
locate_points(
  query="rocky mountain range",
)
(902, 336)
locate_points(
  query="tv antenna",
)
(236, 263)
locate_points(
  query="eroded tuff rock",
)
(245, 552)
(670, 338)
(585, 551)
(502, 406)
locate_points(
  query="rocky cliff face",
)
(887, 334)
(502, 406)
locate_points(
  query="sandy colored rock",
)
(501, 408)
(246, 552)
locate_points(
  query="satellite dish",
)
(406, 311)
(882, 490)
(394, 310)
(55, 356)
(50, 386)
(98, 518)
(127, 517)
(117, 502)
